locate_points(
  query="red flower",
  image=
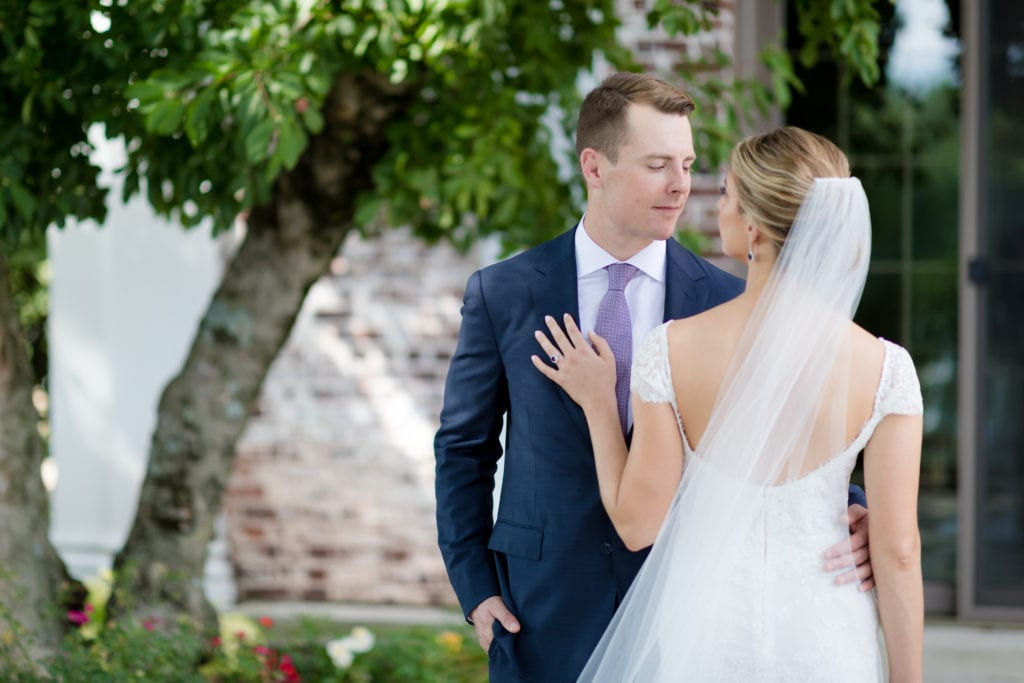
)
(215, 641)
(266, 622)
(77, 618)
(288, 669)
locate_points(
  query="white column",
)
(125, 302)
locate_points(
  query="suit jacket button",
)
(606, 548)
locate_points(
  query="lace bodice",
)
(821, 632)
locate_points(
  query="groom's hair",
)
(602, 124)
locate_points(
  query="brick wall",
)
(332, 493)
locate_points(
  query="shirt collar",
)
(590, 257)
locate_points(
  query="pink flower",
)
(88, 608)
(301, 105)
(266, 622)
(77, 617)
(149, 624)
(215, 641)
(261, 650)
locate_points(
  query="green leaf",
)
(146, 91)
(23, 200)
(367, 210)
(165, 117)
(257, 142)
(313, 120)
(291, 142)
(26, 107)
(196, 117)
(364, 40)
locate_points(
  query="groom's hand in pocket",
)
(486, 613)
(853, 553)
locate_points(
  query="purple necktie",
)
(614, 325)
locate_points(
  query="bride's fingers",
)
(860, 556)
(601, 346)
(861, 574)
(550, 350)
(557, 335)
(545, 369)
(573, 332)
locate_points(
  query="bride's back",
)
(701, 352)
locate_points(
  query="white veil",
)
(781, 412)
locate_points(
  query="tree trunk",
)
(289, 244)
(32, 575)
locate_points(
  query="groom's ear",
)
(590, 166)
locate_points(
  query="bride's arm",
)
(636, 491)
(650, 477)
(892, 462)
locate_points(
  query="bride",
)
(748, 419)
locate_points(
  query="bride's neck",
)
(758, 272)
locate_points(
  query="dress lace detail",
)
(899, 391)
(651, 378)
(785, 619)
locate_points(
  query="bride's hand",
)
(585, 372)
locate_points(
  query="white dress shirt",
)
(645, 293)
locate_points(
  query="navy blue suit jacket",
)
(552, 554)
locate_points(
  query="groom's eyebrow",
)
(669, 157)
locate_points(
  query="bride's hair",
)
(773, 173)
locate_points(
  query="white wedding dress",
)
(783, 617)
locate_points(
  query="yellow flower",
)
(450, 640)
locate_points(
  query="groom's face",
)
(645, 189)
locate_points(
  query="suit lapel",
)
(555, 292)
(685, 293)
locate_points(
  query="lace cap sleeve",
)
(651, 378)
(900, 393)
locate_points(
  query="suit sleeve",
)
(467, 448)
(857, 496)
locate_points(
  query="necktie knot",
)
(619, 275)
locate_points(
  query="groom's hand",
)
(854, 553)
(485, 614)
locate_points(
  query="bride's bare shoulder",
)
(868, 350)
(703, 330)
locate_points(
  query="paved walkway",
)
(959, 653)
(953, 652)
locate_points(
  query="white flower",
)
(361, 639)
(339, 652)
(343, 650)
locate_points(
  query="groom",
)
(541, 583)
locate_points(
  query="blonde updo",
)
(773, 172)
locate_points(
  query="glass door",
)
(992, 525)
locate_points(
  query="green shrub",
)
(253, 651)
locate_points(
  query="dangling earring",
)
(750, 251)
